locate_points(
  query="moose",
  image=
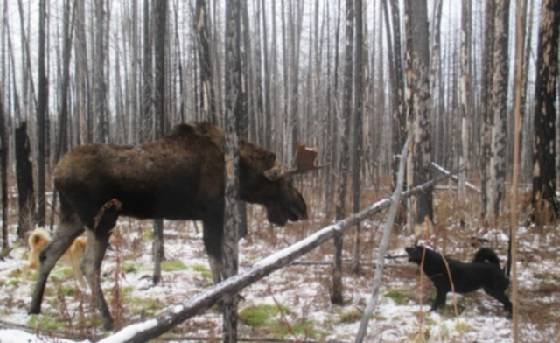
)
(178, 177)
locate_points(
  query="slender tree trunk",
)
(147, 75)
(521, 8)
(41, 118)
(24, 180)
(159, 30)
(68, 30)
(486, 101)
(4, 153)
(205, 63)
(499, 106)
(267, 105)
(357, 128)
(343, 134)
(232, 213)
(466, 102)
(100, 93)
(399, 113)
(544, 172)
(418, 75)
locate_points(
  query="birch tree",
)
(466, 103)
(496, 191)
(232, 224)
(205, 62)
(486, 100)
(417, 73)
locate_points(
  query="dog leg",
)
(439, 300)
(501, 297)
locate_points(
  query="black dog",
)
(483, 272)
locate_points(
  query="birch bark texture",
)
(232, 215)
(418, 77)
(496, 191)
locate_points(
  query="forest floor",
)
(293, 304)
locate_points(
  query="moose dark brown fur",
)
(180, 176)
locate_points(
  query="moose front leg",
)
(97, 243)
(70, 228)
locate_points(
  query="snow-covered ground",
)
(293, 303)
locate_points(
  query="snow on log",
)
(144, 331)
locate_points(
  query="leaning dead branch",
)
(395, 199)
(144, 331)
(454, 177)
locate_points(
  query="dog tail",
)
(37, 236)
(486, 255)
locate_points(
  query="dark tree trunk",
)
(343, 136)
(63, 115)
(357, 129)
(267, 106)
(159, 31)
(544, 172)
(24, 178)
(147, 75)
(486, 101)
(4, 153)
(100, 93)
(41, 118)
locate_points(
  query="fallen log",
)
(152, 328)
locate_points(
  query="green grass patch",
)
(203, 270)
(350, 315)
(45, 322)
(173, 265)
(67, 290)
(62, 273)
(13, 282)
(143, 306)
(260, 315)
(462, 327)
(398, 296)
(301, 327)
(131, 267)
(148, 234)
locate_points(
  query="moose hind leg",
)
(97, 243)
(213, 236)
(70, 228)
